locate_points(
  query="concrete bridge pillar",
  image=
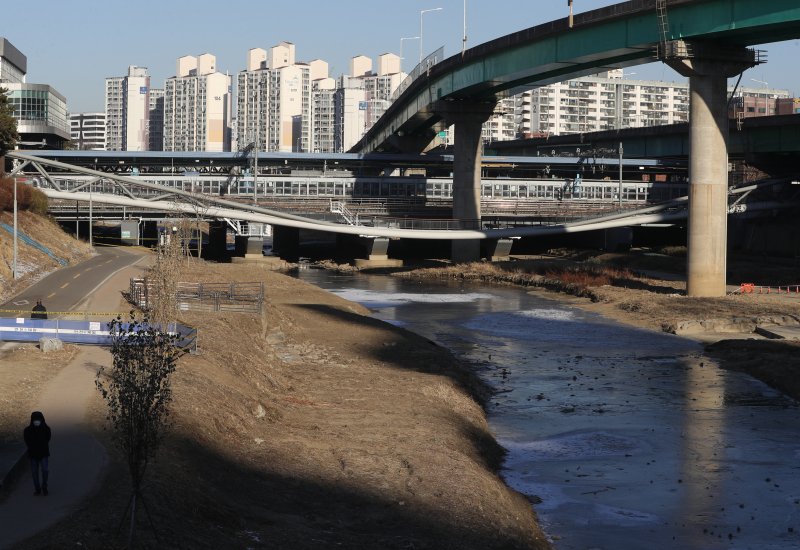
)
(467, 117)
(708, 69)
(149, 236)
(286, 242)
(498, 250)
(217, 241)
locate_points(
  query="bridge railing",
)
(423, 67)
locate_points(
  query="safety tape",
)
(72, 313)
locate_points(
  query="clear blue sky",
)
(74, 45)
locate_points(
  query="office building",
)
(197, 106)
(41, 113)
(13, 64)
(127, 107)
(88, 131)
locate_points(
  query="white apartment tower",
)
(127, 104)
(197, 106)
(275, 100)
(364, 96)
(252, 92)
(350, 113)
(323, 116)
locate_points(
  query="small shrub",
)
(39, 202)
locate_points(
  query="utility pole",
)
(15, 275)
(464, 39)
(620, 175)
(258, 131)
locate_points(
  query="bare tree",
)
(138, 393)
(163, 277)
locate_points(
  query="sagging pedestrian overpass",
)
(89, 186)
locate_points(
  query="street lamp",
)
(421, 13)
(15, 274)
(401, 49)
(766, 86)
(464, 38)
(570, 13)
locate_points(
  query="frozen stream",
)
(626, 439)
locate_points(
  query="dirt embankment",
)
(34, 262)
(314, 426)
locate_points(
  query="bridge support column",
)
(497, 250)
(377, 254)
(708, 69)
(286, 242)
(149, 236)
(217, 241)
(467, 117)
(249, 247)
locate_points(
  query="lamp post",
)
(421, 13)
(766, 86)
(401, 48)
(258, 131)
(570, 13)
(464, 38)
(14, 275)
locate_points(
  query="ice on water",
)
(377, 299)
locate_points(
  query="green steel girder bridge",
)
(621, 35)
(704, 40)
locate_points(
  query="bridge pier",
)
(377, 253)
(708, 69)
(149, 236)
(286, 242)
(498, 250)
(217, 241)
(467, 117)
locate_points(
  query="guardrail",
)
(22, 329)
(246, 297)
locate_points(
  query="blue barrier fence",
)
(23, 329)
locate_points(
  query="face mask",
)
(37, 422)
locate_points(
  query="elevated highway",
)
(621, 35)
(704, 40)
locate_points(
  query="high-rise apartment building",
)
(88, 131)
(127, 102)
(252, 91)
(275, 100)
(323, 116)
(350, 113)
(363, 96)
(197, 106)
(156, 127)
(609, 102)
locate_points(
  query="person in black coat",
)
(39, 311)
(37, 439)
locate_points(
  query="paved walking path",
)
(78, 460)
